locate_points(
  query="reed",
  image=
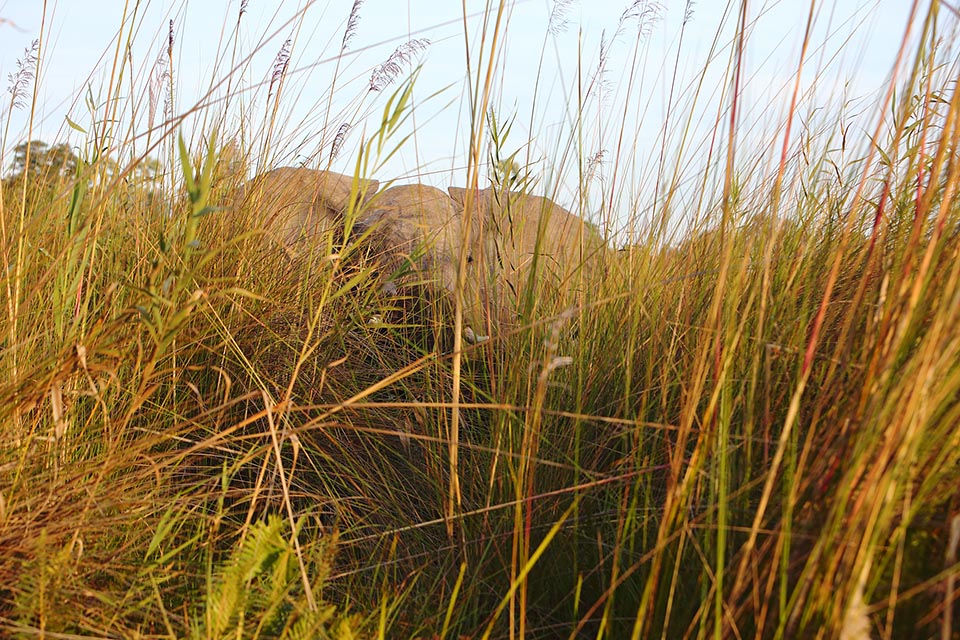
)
(744, 425)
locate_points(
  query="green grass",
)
(747, 428)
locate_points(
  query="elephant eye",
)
(469, 259)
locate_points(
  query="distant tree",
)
(141, 186)
(143, 179)
(49, 169)
(39, 161)
(38, 173)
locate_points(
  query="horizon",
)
(544, 110)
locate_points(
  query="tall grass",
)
(745, 426)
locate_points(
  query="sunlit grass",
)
(744, 423)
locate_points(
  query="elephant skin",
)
(417, 232)
(297, 204)
(423, 228)
(522, 232)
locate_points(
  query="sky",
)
(655, 56)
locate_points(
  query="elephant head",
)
(295, 205)
(530, 241)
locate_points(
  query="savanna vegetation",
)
(745, 426)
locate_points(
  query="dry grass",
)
(746, 429)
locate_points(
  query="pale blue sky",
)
(858, 37)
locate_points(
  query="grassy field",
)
(746, 428)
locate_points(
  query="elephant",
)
(509, 237)
(416, 231)
(526, 235)
(297, 204)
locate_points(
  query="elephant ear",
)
(459, 194)
(481, 204)
(334, 189)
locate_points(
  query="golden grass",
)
(748, 429)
